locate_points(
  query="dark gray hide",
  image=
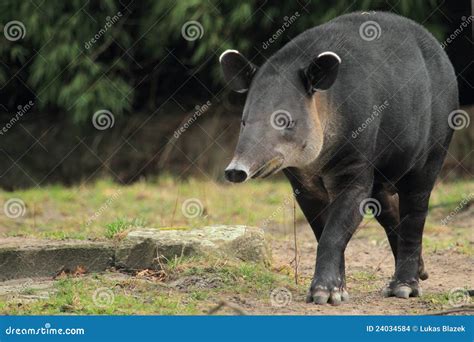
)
(355, 121)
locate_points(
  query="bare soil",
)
(369, 266)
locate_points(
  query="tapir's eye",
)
(243, 123)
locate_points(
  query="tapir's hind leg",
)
(414, 190)
(413, 212)
(389, 219)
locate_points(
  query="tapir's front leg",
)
(343, 218)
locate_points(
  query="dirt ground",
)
(369, 266)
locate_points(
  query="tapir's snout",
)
(235, 175)
(236, 172)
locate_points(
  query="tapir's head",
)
(282, 123)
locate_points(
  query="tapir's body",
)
(368, 118)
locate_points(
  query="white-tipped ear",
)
(321, 73)
(238, 71)
(330, 53)
(226, 52)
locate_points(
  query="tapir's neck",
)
(322, 115)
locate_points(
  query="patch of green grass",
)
(28, 291)
(100, 294)
(199, 295)
(121, 225)
(363, 276)
(436, 300)
(83, 211)
(364, 281)
(459, 240)
(449, 195)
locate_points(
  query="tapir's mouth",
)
(268, 168)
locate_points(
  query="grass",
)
(120, 225)
(100, 294)
(104, 208)
(447, 300)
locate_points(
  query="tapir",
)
(309, 112)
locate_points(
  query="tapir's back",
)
(395, 65)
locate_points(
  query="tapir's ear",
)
(321, 73)
(238, 71)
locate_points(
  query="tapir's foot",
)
(400, 289)
(321, 294)
(421, 270)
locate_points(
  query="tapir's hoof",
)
(424, 275)
(402, 290)
(322, 295)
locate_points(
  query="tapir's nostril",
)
(235, 175)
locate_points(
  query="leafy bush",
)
(79, 57)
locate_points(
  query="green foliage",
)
(121, 225)
(74, 63)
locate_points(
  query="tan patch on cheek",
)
(321, 109)
(318, 107)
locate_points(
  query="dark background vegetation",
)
(151, 79)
